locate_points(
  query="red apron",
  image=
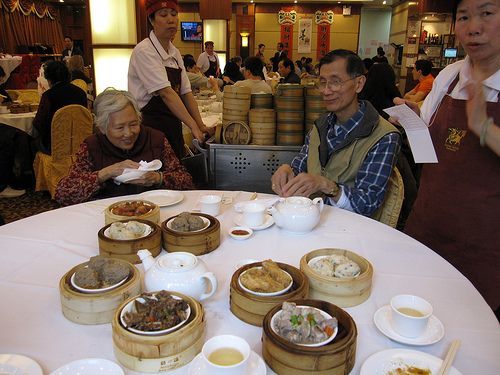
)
(157, 115)
(458, 202)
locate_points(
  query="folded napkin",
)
(211, 120)
(130, 174)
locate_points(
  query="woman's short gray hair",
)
(110, 101)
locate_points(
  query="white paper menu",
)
(417, 131)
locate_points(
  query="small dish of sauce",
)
(240, 233)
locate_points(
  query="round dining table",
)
(21, 121)
(37, 251)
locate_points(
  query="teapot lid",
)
(177, 262)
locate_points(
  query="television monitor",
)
(450, 52)
(191, 31)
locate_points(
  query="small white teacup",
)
(410, 315)
(254, 214)
(226, 354)
(210, 204)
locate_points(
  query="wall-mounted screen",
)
(191, 31)
(450, 52)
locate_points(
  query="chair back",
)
(388, 212)
(81, 84)
(28, 96)
(70, 126)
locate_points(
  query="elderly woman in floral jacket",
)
(121, 143)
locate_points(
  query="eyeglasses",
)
(334, 84)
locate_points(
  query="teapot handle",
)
(319, 201)
(213, 285)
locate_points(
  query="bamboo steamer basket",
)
(235, 105)
(290, 116)
(315, 102)
(243, 116)
(127, 249)
(153, 215)
(261, 101)
(342, 292)
(237, 91)
(96, 308)
(261, 115)
(162, 353)
(197, 243)
(335, 358)
(289, 104)
(236, 133)
(252, 308)
(290, 89)
(289, 138)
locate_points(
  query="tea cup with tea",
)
(226, 354)
(254, 214)
(410, 315)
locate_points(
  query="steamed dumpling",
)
(348, 269)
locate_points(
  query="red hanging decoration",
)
(323, 42)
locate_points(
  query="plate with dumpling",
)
(99, 275)
(304, 325)
(188, 222)
(129, 230)
(266, 280)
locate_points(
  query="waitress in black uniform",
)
(158, 80)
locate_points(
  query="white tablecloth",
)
(21, 121)
(9, 64)
(37, 251)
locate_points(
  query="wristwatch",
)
(334, 191)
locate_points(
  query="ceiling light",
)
(295, 1)
(384, 2)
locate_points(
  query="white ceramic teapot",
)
(178, 272)
(297, 214)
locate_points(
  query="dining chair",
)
(70, 126)
(81, 84)
(388, 212)
(28, 96)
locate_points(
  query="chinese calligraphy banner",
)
(324, 21)
(304, 36)
(287, 39)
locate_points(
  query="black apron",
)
(157, 115)
(212, 70)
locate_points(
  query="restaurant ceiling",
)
(364, 2)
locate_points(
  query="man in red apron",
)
(158, 80)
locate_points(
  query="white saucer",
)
(89, 366)
(18, 364)
(268, 221)
(432, 334)
(256, 366)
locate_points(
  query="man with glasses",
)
(349, 154)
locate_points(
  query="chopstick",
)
(450, 356)
(253, 196)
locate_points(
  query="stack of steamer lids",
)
(315, 106)
(261, 100)
(289, 105)
(236, 104)
(263, 126)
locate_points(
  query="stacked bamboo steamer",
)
(236, 104)
(197, 243)
(334, 358)
(252, 308)
(263, 126)
(289, 105)
(261, 100)
(346, 292)
(96, 308)
(161, 353)
(314, 108)
(127, 249)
